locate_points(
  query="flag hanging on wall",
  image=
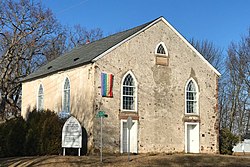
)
(107, 84)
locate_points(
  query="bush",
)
(12, 137)
(39, 135)
(51, 135)
(227, 141)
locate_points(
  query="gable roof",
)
(93, 51)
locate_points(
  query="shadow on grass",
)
(200, 160)
(136, 160)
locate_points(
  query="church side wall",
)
(81, 95)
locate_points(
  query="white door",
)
(125, 135)
(192, 137)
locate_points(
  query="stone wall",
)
(161, 93)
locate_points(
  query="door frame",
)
(121, 134)
(186, 140)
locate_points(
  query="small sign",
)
(101, 114)
(72, 134)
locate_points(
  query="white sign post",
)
(129, 124)
(72, 135)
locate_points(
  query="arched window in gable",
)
(40, 98)
(129, 92)
(191, 97)
(161, 54)
(161, 50)
(66, 96)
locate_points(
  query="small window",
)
(40, 98)
(161, 55)
(191, 98)
(129, 92)
(66, 96)
(161, 50)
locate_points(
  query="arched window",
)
(40, 98)
(129, 92)
(66, 96)
(161, 55)
(161, 49)
(191, 97)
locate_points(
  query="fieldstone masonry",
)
(161, 94)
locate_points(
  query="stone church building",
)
(150, 73)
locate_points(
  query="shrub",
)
(40, 134)
(227, 141)
(51, 135)
(12, 137)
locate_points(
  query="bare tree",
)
(26, 31)
(238, 64)
(78, 35)
(29, 37)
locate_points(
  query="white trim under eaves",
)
(198, 53)
(125, 40)
(173, 29)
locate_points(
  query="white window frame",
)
(165, 48)
(197, 97)
(135, 91)
(37, 100)
(63, 94)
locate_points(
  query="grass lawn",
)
(136, 160)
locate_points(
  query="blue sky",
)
(219, 21)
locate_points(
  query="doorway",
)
(192, 140)
(133, 136)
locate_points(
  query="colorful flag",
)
(107, 84)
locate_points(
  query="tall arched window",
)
(66, 96)
(192, 97)
(40, 98)
(129, 92)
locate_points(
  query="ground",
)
(135, 160)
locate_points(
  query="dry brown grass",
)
(136, 160)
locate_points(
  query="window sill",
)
(192, 114)
(129, 111)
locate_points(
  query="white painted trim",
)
(136, 91)
(121, 134)
(69, 93)
(38, 95)
(125, 40)
(197, 95)
(165, 48)
(191, 123)
(186, 42)
(173, 29)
